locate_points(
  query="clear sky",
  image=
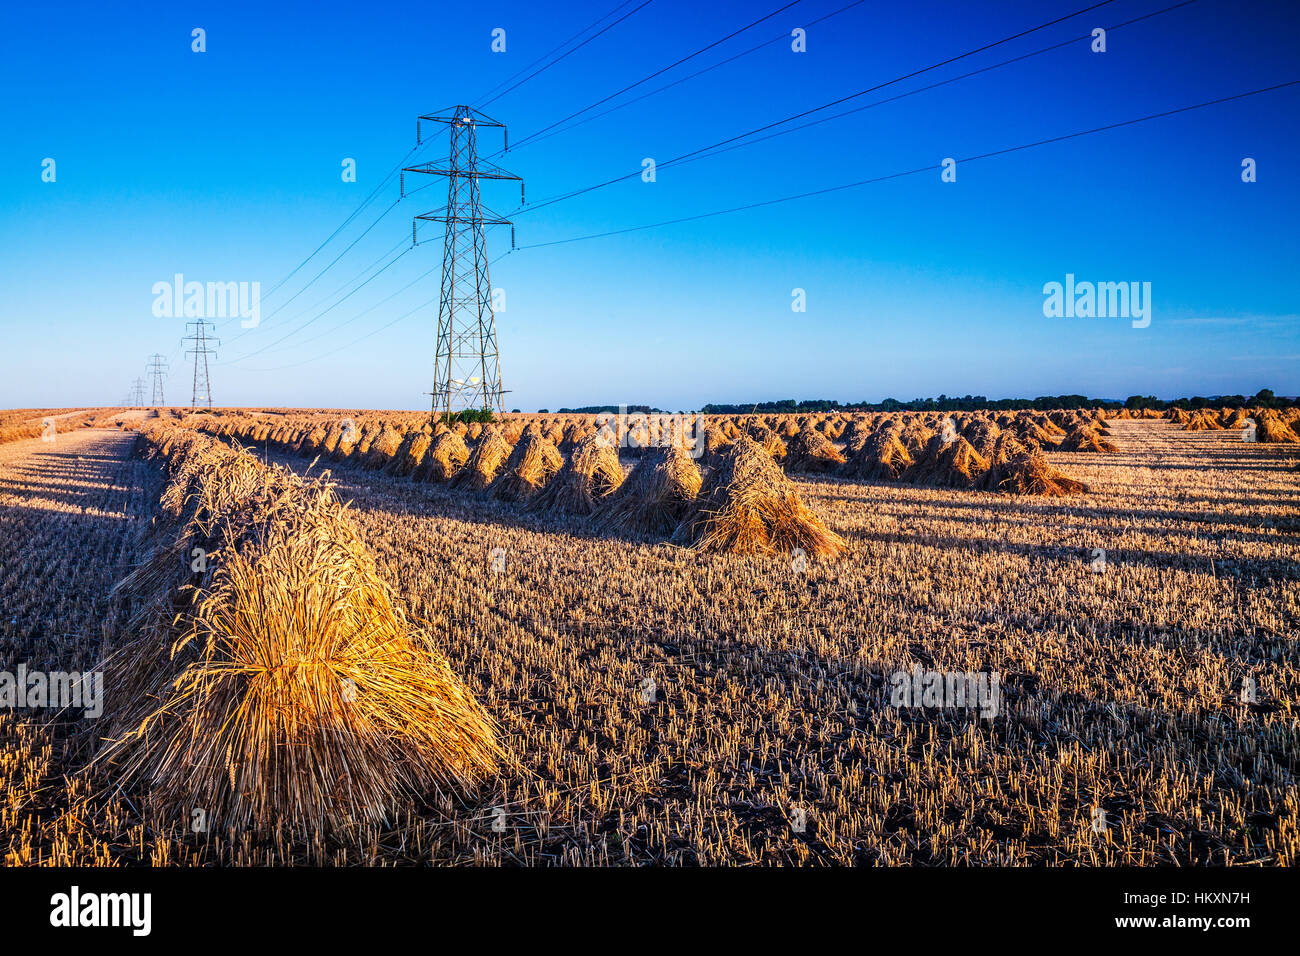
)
(226, 166)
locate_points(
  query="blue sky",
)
(225, 166)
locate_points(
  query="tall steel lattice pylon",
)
(202, 394)
(157, 369)
(466, 365)
(137, 393)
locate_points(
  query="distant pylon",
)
(466, 365)
(202, 394)
(158, 369)
(137, 393)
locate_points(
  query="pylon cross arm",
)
(482, 170)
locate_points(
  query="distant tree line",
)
(612, 409)
(1264, 398)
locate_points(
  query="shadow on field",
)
(1256, 572)
(987, 503)
(69, 544)
(433, 499)
(61, 477)
(1092, 529)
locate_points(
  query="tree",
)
(1142, 401)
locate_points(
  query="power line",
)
(334, 262)
(809, 112)
(336, 259)
(690, 76)
(362, 338)
(931, 86)
(659, 72)
(325, 312)
(731, 143)
(352, 281)
(574, 50)
(911, 172)
(366, 311)
(908, 76)
(533, 136)
(350, 246)
(365, 202)
(354, 290)
(479, 101)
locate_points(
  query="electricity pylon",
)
(157, 369)
(137, 394)
(202, 393)
(466, 365)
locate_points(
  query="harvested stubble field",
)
(661, 705)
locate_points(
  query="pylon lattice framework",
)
(157, 370)
(467, 366)
(202, 394)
